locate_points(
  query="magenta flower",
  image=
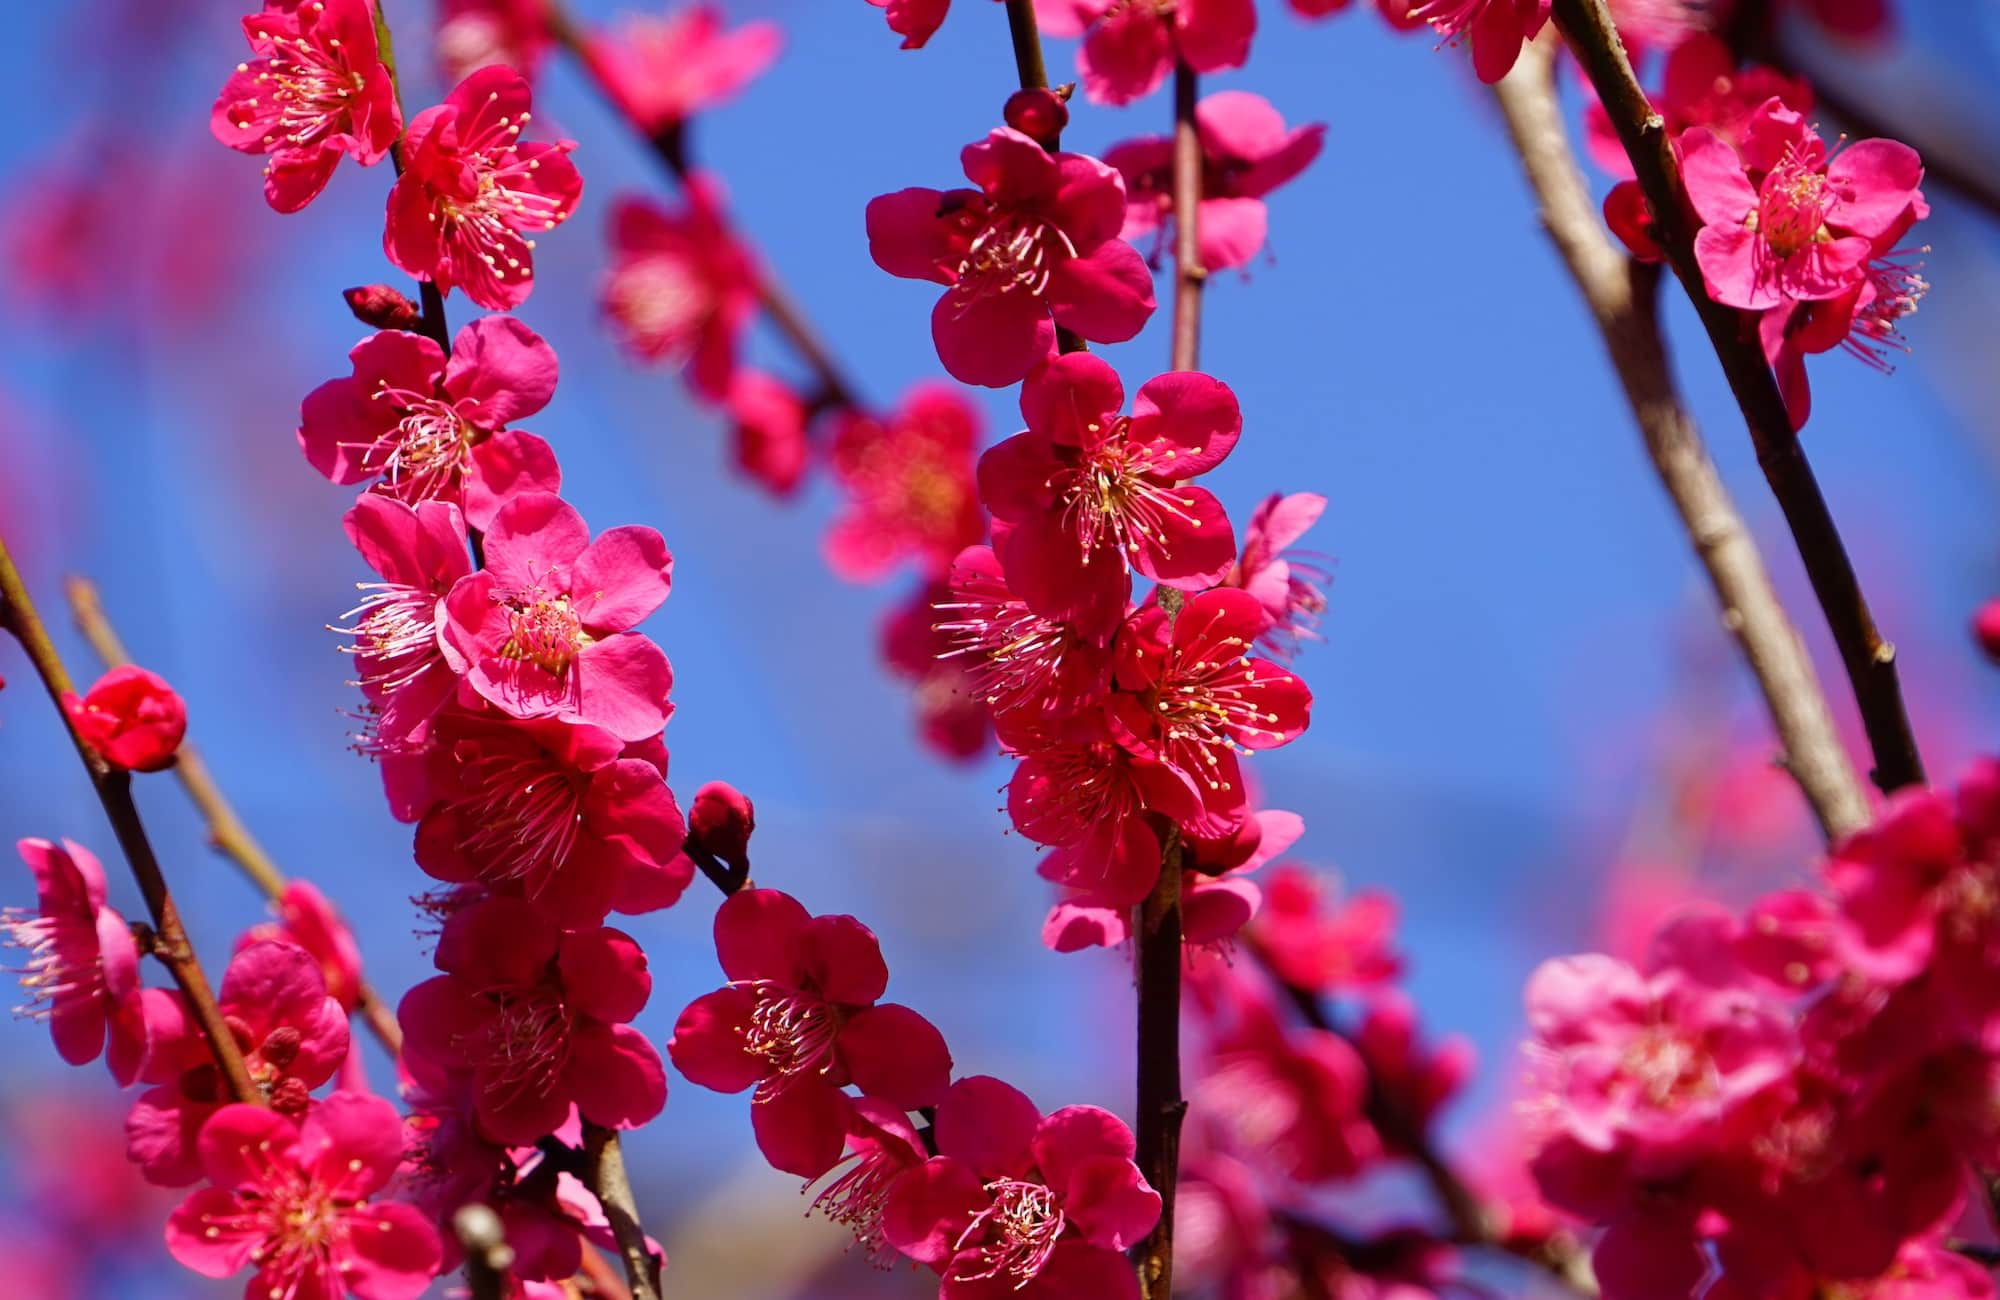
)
(1313, 943)
(913, 20)
(474, 34)
(1296, 1098)
(563, 814)
(1037, 238)
(316, 91)
(419, 553)
(306, 919)
(881, 1144)
(1497, 29)
(768, 429)
(473, 194)
(299, 1201)
(1700, 85)
(663, 70)
(1021, 1203)
(293, 1035)
(1190, 697)
(1090, 492)
(1287, 583)
(1129, 46)
(131, 717)
(1805, 227)
(540, 1018)
(543, 631)
(909, 483)
(82, 971)
(681, 288)
(800, 1018)
(1017, 660)
(952, 717)
(428, 429)
(1246, 152)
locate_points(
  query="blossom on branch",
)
(130, 717)
(82, 968)
(663, 70)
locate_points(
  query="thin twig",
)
(1622, 299)
(226, 831)
(1189, 273)
(487, 1254)
(1869, 660)
(114, 791)
(670, 147)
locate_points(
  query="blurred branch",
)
(170, 942)
(1869, 659)
(226, 831)
(1623, 299)
(487, 1254)
(670, 147)
(605, 1171)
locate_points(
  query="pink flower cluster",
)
(1794, 1101)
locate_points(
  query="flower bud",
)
(1038, 113)
(721, 821)
(1986, 627)
(131, 717)
(382, 307)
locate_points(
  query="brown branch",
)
(487, 1254)
(1869, 660)
(605, 1165)
(1189, 273)
(226, 831)
(670, 147)
(1622, 298)
(1027, 37)
(114, 791)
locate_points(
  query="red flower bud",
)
(721, 821)
(1038, 113)
(1986, 626)
(131, 717)
(382, 307)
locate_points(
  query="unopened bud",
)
(382, 307)
(1038, 114)
(721, 821)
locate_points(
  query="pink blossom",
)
(1700, 85)
(131, 717)
(1292, 1100)
(663, 70)
(769, 430)
(1805, 228)
(681, 288)
(563, 814)
(1129, 47)
(429, 429)
(909, 482)
(1497, 29)
(1923, 1270)
(881, 1144)
(1191, 698)
(543, 631)
(419, 553)
(1016, 1202)
(293, 1037)
(473, 194)
(82, 970)
(1418, 1077)
(307, 919)
(298, 1200)
(317, 90)
(1246, 152)
(952, 714)
(1090, 492)
(540, 1018)
(473, 34)
(913, 20)
(1312, 944)
(1286, 582)
(1016, 659)
(800, 1018)
(1038, 238)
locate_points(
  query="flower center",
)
(521, 816)
(1206, 704)
(1010, 252)
(543, 630)
(312, 88)
(395, 636)
(1791, 209)
(301, 1224)
(1012, 656)
(1668, 1068)
(856, 1199)
(661, 301)
(1111, 497)
(794, 1031)
(522, 1047)
(1015, 1234)
(426, 452)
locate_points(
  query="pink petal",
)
(500, 371)
(509, 464)
(1126, 57)
(604, 974)
(615, 1076)
(1106, 296)
(352, 1141)
(1109, 1202)
(1009, 166)
(621, 578)
(841, 959)
(1231, 231)
(1190, 414)
(758, 936)
(928, 1208)
(531, 535)
(708, 1043)
(206, 1234)
(909, 237)
(622, 683)
(1730, 268)
(893, 1053)
(989, 1125)
(1877, 180)
(1194, 547)
(1072, 927)
(240, 1144)
(993, 340)
(802, 1128)
(1060, 400)
(1722, 195)
(392, 1252)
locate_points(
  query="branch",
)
(670, 147)
(114, 791)
(431, 319)
(1870, 661)
(605, 1166)
(1622, 298)
(1189, 273)
(1027, 37)
(487, 1254)
(226, 831)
